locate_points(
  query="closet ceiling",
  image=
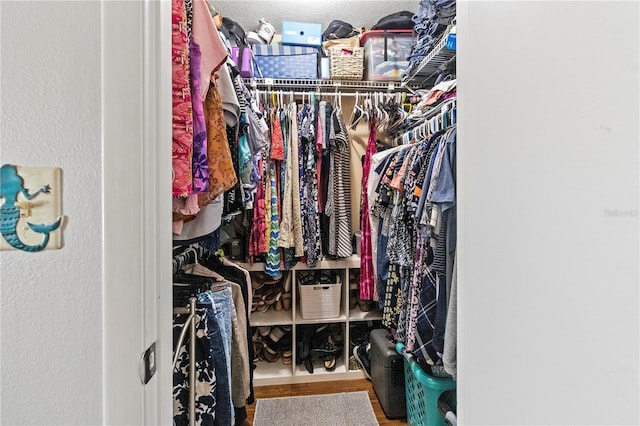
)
(357, 13)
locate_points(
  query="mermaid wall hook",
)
(31, 208)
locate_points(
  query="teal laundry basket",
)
(422, 392)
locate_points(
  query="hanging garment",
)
(222, 175)
(450, 356)
(233, 197)
(240, 365)
(277, 146)
(200, 166)
(366, 266)
(309, 202)
(182, 147)
(257, 242)
(341, 188)
(207, 338)
(291, 224)
(272, 264)
(324, 170)
(378, 162)
(214, 53)
(222, 312)
(240, 276)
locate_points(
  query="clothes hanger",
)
(356, 114)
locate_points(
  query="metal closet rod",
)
(362, 95)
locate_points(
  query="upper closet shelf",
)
(433, 63)
(327, 85)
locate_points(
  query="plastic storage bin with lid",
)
(386, 53)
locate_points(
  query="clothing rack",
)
(190, 255)
(189, 325)
(327, 85)
(438, 118)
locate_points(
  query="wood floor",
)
(322, 388)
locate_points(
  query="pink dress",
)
(367, 278)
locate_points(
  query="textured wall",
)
(548, 274)
(357, 13)
(51, 303)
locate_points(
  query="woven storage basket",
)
(346, 66)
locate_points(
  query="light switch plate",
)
(33, 196)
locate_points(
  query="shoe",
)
(353, 364)
(330, 363)
(353, 299)
(278, 306)
(286, 301)
(361, 354)
(306, 333)
(365, 305)
(276, 334)
(270, 355)
(287, 283)
(308, 365)
(287, 357)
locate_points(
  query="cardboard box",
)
(301, 34)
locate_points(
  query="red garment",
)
(182, 148)
(277, 145)
(367, 278)
(257, 241)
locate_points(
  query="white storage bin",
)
(320, 301)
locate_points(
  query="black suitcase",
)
(387, 375)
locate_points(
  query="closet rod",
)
(320, 94)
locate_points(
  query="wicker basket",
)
(346, 66)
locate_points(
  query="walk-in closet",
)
(314, 210)
(401, 212)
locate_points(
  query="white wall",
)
(547, 152)
(51, 302)
(360, 13)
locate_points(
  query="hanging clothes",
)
(291, 224)
(182, 147)
(200, 166)
(206, 384)
(222, 175)
(367, 277)
(340, 232)
(272, 264)
(309, 203)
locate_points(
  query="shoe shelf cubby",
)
(270, 369)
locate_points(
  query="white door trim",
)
(136, 117)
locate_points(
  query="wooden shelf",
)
(270, 370)
(300, 320)
(277, 373)
(271, 317)
(358, 315)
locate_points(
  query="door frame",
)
(136, 170)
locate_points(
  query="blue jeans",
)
(219, 320)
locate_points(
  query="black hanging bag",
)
(339, 29)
